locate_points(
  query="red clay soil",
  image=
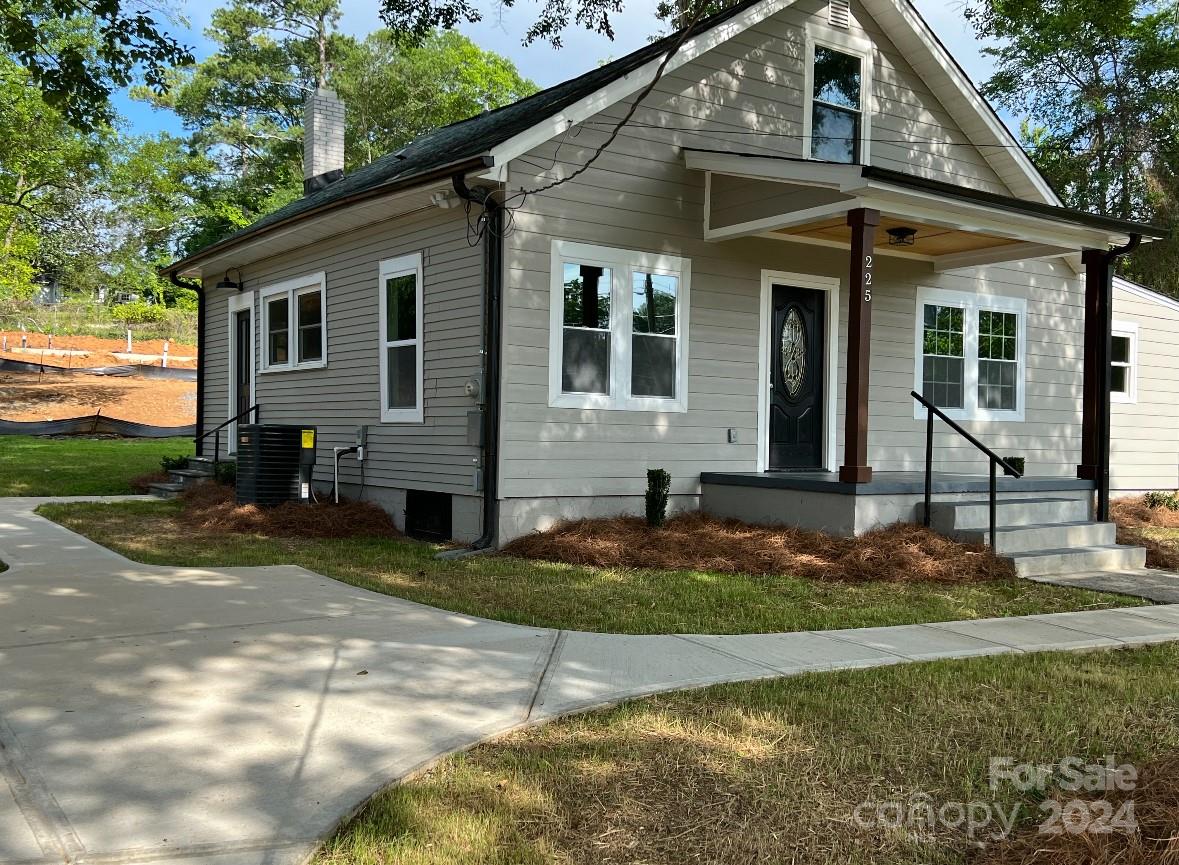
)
(1134, 517)
(55, 396)
(100, 351)
(697, 542)
(1155, 842)
(212, 507)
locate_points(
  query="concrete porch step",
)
(1046, 536)
(1109, 557)
(166, 490)
(953, 518)
(189, 476)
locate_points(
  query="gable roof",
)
(1147, 294)
(495, 137)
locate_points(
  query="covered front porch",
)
(839, 450)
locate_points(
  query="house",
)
(1144, 390)
(811, 214)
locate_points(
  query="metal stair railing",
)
(996, 462)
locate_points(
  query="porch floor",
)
(893, 483)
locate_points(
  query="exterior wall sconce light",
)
(228, 283)
(902, 235)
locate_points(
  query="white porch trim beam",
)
(772, 223)
(997, 255)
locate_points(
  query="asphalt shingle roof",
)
(474, 136)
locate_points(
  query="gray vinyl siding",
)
(433, 455)
(638, 196)
(1145, 434)
(216, 363)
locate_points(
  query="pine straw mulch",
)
(697, 542)
(1156, 811)
(212, 507)
(1133, 517)
(140, 483)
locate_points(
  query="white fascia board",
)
(845, 178)
(628, 84)
(1004, 141)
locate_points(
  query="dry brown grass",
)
(1135, 518)
(1156, 811)
(697, 542)
(212, 507)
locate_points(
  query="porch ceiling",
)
(808, 200)
(930, 240)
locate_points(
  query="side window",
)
(1123, 363)
(400, 298)
(836, 106)
(618, 337)
(943, 356)
(294, 323)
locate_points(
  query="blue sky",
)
(540, 62)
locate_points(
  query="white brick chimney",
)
(323, 140)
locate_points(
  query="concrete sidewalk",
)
(154, 714)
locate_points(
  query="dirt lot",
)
(99, 351)
(54, 396)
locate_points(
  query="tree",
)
(46, 169)
(395, 91)
(76, 76)
(1102, 82)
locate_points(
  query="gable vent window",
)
(839, 13)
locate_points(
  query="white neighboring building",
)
(1145, 412)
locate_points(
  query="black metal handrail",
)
(996, 460)
(215, 432)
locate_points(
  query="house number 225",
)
(867, 279)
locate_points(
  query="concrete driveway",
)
(153, 714)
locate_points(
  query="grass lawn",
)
(773, 771)
(76, 466)
(564, 596)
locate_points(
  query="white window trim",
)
(1129, 330)
(838, 40)
(242, 302)
(622, 264)
(293, 289)
(389, 268)
(972, 304)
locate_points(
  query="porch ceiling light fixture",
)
(228, 283)
(902, 235)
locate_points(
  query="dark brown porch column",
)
(1097, 274)
(855, 468)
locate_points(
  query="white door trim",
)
(244, 301)
(829, 284)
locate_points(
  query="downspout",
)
(200, 388)
(493, 244)
(1106, 373)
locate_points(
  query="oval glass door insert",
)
(793, 353)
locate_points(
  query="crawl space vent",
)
(839, 13)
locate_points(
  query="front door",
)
(243, 350)
(796, 379)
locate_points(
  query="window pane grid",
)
(944, 368)
(1120, 364)
(998, 360)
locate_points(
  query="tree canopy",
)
(1099, 86)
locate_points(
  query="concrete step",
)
(166, 490)
(952, 518)
(187, 477)
(1109, 557)
(1047, 536)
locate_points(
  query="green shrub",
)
(171, 464)
(138, 313)
(1017, 463)
(226, 473)
(1170, 501)
(658, 484)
